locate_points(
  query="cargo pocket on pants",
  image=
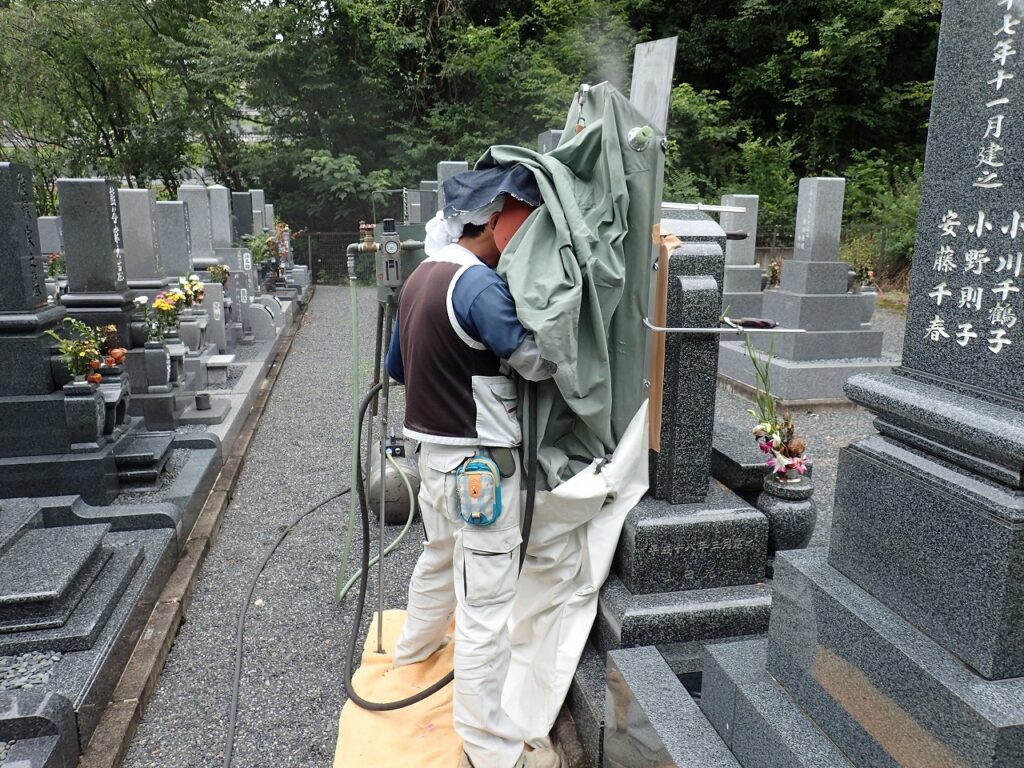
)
(490, 567)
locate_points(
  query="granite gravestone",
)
(548, 140)
(743, 276)
(98, 292)
(222, 227)
(903, 644)
(175, 238)
(200, 226)
(269, 217)
(428, 199)
(445, 170)
(51, 235)
(241, 215)
(141, 240)
(259, 202)
(818, 294)
(56, 436)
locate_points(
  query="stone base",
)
(939, 545)
(159, 411)
(794, 383)
(877, 687)
(88, 678)
(625, 620)
(824, 345)
(758, 722)
(217, 412)
(720, 542)
(92, 475)
(42, 725)
(650, 719)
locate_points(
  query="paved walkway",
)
(296, 636)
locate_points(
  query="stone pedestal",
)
(816, 294)
(690, 565)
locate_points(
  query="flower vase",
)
(791, 512)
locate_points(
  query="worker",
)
(456, 337)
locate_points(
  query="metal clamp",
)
(733, 330)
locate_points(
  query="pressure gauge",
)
(391, 247)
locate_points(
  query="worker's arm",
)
(393, 362)
(486, 310)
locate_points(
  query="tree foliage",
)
(350, 98)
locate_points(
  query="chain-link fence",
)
(324, 254)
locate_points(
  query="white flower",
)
(141, 300)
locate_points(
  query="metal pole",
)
(309, 255)
(385, 390)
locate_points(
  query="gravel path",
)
(295, 636)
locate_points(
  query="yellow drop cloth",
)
(420, 736)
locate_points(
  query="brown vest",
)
(452, 381)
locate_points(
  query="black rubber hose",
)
(229, 748)
(531, 474)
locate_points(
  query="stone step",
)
(586, 703)
(652, 721)
(145, 449)
(625, 620)
(755, 718)
(143, 458)
(879, 688)
(45, 573)
(87, 620)
(719, 542)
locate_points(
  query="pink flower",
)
(799, 464)
(779, 463)
(765, 446)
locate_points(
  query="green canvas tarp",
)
(579, 273)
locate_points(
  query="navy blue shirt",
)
(486, 311)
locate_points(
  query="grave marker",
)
(141, 240)
(241, 214)
(222, 229)
(200, 226)
(175, 238)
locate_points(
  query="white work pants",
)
(470, 571)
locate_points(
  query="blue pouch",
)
(478, 488)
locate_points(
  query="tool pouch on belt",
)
(478, 486)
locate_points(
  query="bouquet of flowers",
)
(220, 272)
(775, 435)
(162, 315)
(55, 265)
(192, 289)
(79, 350)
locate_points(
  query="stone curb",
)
(123, 713)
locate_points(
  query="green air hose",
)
(394, 544)
(356, 431)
